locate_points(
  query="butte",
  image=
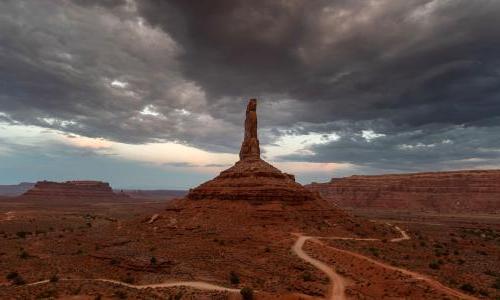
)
(238, 229)
(251, 178)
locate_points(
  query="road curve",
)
(337, 282)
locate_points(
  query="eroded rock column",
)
(250, 147)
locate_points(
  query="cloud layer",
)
(402, 85)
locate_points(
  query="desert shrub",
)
(18, 280)
(22, 234)
(496, 285)
(306, 276)
(113, 261)
(128, 279)
(54, 278)
(121, 295)
(483, 293)
(267, 249)
(11, 275)
(246, 293)
(153, 260)
(234, 278)
(467, 287)
(24, 255)
(434, 265)
(374, 251)
(178, 296)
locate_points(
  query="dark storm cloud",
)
(413, 62)
(95, 70)
(419, 71)
(429, 147)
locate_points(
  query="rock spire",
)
(251, 178)
(250, 147)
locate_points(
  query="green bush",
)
(467, 287)
(306, 276)
(234, 278)
(24, 255)
(246, 293)
(11, 275)
(22, 234)
(496, 285)
(18, 280)
(434, 265)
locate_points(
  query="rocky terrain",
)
(77, 191)
(444, 192)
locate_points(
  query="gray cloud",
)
(419, 71)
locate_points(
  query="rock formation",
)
(251, 178)
(250, 148)
(72, 190)
(460, 191)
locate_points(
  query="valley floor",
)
(121, 251)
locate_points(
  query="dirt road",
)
(338, 283)
(201, 285)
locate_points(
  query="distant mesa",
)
(251, 178)
(13, 190)
(445, 192)
(73, 190)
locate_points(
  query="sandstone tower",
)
(251, 178)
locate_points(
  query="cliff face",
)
(461, 191)
(72, 190)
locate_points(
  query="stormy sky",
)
(151, 94)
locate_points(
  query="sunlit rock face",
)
(251, 178)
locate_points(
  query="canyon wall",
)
(460, 191)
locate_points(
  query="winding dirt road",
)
(338, 283)
(200, 285)
(337, 286)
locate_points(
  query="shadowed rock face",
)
(459, 191)
(251, 178)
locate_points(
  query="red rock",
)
(251, 178)
(72, 190)
(460, 191)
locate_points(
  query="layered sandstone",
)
(460, 191)
(73, 190)
(251, 178)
